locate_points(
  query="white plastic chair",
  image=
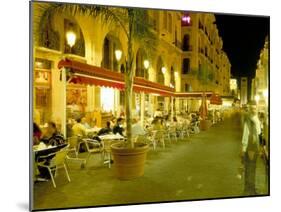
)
(96, 147)
(57, 162)
(73, 147)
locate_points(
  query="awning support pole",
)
(63, 123)
(172, 108)
(142, 108)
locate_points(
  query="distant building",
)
(204, 63)
(260, 92)
(233, 87)
(244, 90)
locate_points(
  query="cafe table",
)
(92, 131)
(41, 151)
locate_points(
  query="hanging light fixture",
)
(71, 38)
(118, 54)
(163, 69)
(146, 64)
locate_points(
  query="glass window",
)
(186, 66)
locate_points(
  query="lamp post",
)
(118, 56)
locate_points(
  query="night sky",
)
(243, 38)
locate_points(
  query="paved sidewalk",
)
(202, 166)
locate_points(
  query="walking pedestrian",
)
(250, 149)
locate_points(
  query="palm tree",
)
(203, 74)
(134, 23)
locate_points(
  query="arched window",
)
(185, 66)
(140, 69)
(185, 43)
(160, 76)
(170, 22)
(172, 76)
(156, 20)
(110, 45)
(48, 37)
(165, 17)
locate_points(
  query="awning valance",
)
(195, 94)
(92, 75)
(215, 99)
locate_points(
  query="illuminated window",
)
(107, 99)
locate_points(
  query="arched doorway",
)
(110, 45)
(159, 74)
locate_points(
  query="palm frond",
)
(143, 32)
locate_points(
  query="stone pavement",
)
(203, 166)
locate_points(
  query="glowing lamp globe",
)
(71, 38)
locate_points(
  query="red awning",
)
(92, 75)
(195, 94)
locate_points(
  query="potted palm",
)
(204, 77)
(129, 157)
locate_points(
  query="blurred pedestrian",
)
(250, 149)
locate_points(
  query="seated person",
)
(158, 113)
(137, 129)
(106, 130)
(78, 129)
(85, 123)
(157, 125)
(53, 137)
(37, 134)
(118, 127)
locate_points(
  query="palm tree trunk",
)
(129, 82)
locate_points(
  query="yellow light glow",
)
(107, 99)
(265, 93)
(118, 54)
(146, 64)
(163, 69)
(257, 98)
(71, 38)
(171, 85)
(176, 74)
(38, 64)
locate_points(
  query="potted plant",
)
(129, 157)
(204, 77)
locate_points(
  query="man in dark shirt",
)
(105, 130)
(54, 138)
(118, 127)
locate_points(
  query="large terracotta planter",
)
(205, 124)
(129, 162)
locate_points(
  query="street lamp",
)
(70, 38)
(118, 54)
(146, 64)
(163, 69)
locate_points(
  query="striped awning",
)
(82, 73)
